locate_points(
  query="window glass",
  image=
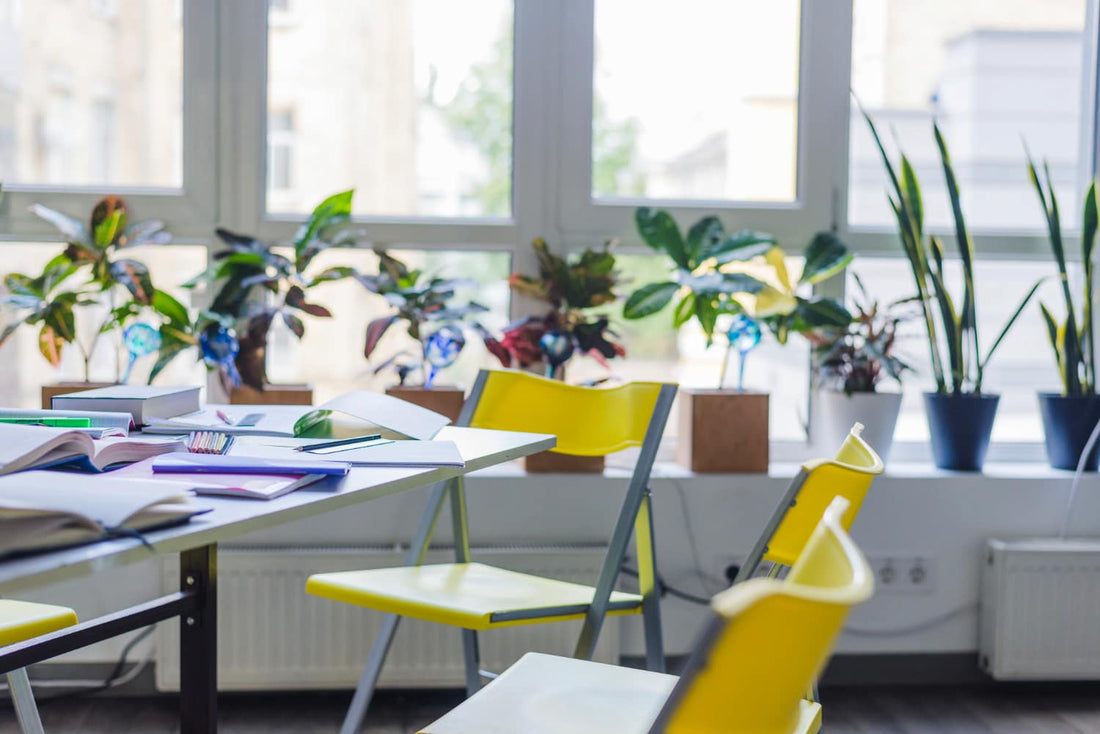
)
(330, 356)
(85, 98)
(26, 370)
(1023, 364)
(410, 103)
(992, 74)
(677, 113)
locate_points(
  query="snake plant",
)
(952, 325)
(1074, 340)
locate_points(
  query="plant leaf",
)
(658, 230)
(50, 345)
(742, 245)
(704, 236)
(375, 330)
(72, 228)
(825, 256)
(296, 298)
(170, 308)
(685, 309)
(294, 324)
(649, 299)
(134, 276)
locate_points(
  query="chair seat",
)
(547, 694)
(22, 620)
(469, 595)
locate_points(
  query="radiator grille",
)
(272, 635)
(1039, 617)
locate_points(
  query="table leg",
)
(199, 642)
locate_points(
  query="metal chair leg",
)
(472, 655)
(23, 698)
(357, 711)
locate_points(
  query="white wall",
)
(913, 511)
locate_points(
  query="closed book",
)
(36, 447)
(248, 486)
(143, 402)
(226, 464)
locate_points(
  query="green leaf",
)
(740, 246)
(704, 236)
(707, 314)
(61, 320)
(1011, 320)
(1055, 342)
(333, 210)
(685, 309)
(825, 256)
(170, 308)
(109, 228)
(658, 230)
(649, 299)
(815, 313)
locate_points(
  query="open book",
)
(355, 413)
(249, 486)
(46, 509)
(30, 447)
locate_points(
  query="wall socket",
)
(903, 573)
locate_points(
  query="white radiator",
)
(272, 635)
(1040, 610)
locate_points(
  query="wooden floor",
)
(1009, 710)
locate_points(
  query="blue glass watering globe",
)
(140, 340)
(219, 349)
(557, 347)
(744, 335)
(442, 350)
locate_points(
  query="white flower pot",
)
(833, 414)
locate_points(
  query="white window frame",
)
(188, 211)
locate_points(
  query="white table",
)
(196, 543)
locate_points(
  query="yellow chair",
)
(473, 596)
(21, 621)
(848, 475)
(766, 642)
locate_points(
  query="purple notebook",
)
(179, 463)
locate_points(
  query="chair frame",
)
(635, 518)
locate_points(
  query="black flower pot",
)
(1067, 423)
(960, 425)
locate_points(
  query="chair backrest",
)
(770, 639)
(849, 475)
(588, 421)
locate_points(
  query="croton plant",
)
(573, 288)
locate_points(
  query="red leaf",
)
(375, 330)
(497, 350)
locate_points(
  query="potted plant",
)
(113, 291)
(426, 306)
(960, 413)
(257, 285)
(1070, 417)
(574, 289)
(740, 277)
(849, 365)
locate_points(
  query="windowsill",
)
(994, 470)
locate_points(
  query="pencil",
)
(342, 442)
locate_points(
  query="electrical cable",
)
(663, 588)
(1077, 477)
(910, 629)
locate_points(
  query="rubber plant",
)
(256, 284)
(573, 288)
(1073, 339)
(951, 323)
(94, 267)
(426, 305)
(713, 272)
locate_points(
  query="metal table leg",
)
(199, 642)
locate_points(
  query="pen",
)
(225, 418)
(342, 442)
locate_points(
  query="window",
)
(410, 103)
(673, 117)
(991, 74)
(280, 151)
(59, 59)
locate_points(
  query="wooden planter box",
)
(550, 462)
(723, 431)
(272, 395)
(64, 388)
(443, 400)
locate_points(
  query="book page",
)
(24, 446)
(102, 499)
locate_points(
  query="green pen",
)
(52, 422)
